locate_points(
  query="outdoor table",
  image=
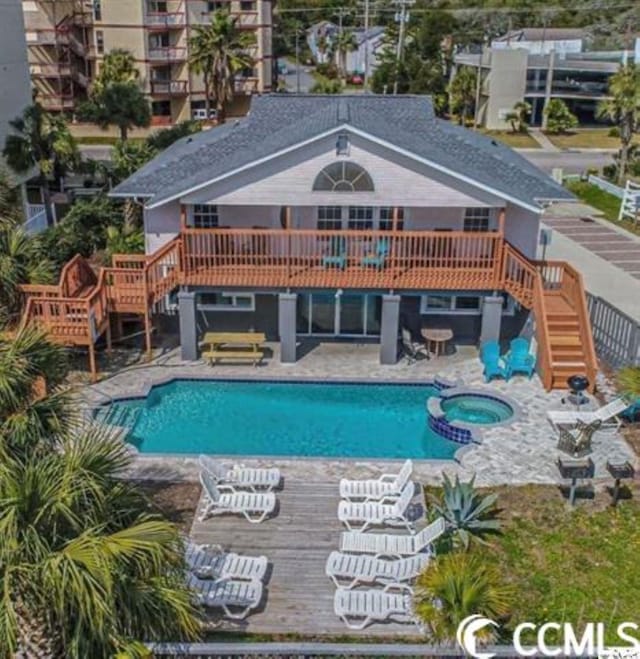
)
(575, 469)
(234, 345)
(619, 471)
(437, 337)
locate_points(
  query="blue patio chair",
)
(378, 258)
(494, 365)
(519, 358)
(337, 256)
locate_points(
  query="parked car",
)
(356, 79)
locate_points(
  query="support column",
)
(287, 327)
(188, 325)
(389, 326)
(491, 319)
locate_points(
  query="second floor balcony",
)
(169, 87)
(167, 53)
(165, 20)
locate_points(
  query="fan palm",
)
(83, 565)
(519, 116)
(119, 65)
(27, 418)
(218, 51)
(455, 586)
(462, 93)
(344, 43)
(623, 109)
(40, 141)
(21, 262)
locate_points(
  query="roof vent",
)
(343, 110)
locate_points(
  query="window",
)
(342, 145)
(329, 217)
(161, 108)
(226, 301)
(100, 41)
(386, 219)
(450, 304)
(360, 217)
(247, 5)
(97, 10)
(214, 5)
(477, 219)
(204, 216)
(160, 40)
(157, 6)
(343, 177)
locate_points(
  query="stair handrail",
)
(545, 365)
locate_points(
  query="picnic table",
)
(234, 345)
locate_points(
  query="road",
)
(290, 79)
(571, 162)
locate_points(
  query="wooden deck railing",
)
(329, 259)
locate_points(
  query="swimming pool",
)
(283, 419)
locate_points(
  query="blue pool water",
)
(473, 408)
(284, 419)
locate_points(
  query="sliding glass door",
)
(345, 315)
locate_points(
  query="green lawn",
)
(603, 201)
(592, 138)
(569, 565)
(104, 139)
(514, 140)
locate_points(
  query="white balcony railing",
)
(169, 87)
(167, 54)
(165, 19)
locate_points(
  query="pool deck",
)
(298, 597)
(517, 453)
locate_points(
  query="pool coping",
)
(445, 386)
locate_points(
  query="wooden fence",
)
(616, 335)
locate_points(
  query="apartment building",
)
(536, 65)
(68, 39)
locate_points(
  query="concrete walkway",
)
(544, 142)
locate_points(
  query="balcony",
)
(165, 20)
(167, 54)
(47, 36)
(245, 85)
(161, 120)
(342, 259)
(56, 101)
(168, 87)
(53, 70)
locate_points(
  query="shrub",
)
(326, 86)
(614, 131)
(455, 586)
(559, 118)
(328, 70)
(468, 514)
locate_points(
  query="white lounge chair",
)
(375, 489)
(386, 544)
(226, 593)
(391, 604)
(360, 568)
(210, 562)
(608, 414)
(255, 506)
(240, 477)
(386, 511)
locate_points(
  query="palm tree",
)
(322, 45)
(28, 365)
(462, 93)
(455, 586)
(218, 52)
(623, 109)
(84, 567)
(43, 142)
(119, 65)
(344, 43)
(519, 116)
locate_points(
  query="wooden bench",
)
(254, 355)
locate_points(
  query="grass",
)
(104, 139)
(591, 138)
(606, 203)
(569, 565)
(514, 140)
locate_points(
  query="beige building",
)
(68, 39)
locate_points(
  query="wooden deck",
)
(296, 541)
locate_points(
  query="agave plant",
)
(458, 585)
(468, 514)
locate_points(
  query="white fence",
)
(630, 206)
(607, 186)
(37, 218)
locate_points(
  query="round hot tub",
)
(476, 409)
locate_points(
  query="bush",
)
(326, 86)
(164, 138)
(328, 70)
(614, 131)
(559, 118)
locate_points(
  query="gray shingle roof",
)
(279, 121)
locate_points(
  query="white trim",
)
(451, 311)
(224, 307)
(366, 136)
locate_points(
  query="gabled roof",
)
(543, 34)
(278, 123)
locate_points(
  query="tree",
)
(559, 118)
(218, 51)
(43, 142)
(27, 418)
(85, 569)
(119, 65)
(342, 45)
(623, 109)
(22, 261)
(455, 586)
(322, 45)
(462, 93)
(120, 104)
(518, 117)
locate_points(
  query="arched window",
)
(343, 176)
